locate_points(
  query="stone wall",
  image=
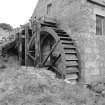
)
(92, 56)
(75, 16)
(69, 14)
(95, 10)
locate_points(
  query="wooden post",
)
(26, 43)
(19, 48)
(36, 33)
(38, 43)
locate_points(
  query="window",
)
(49, 8)
(100, 25)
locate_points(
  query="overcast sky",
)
(16, 12)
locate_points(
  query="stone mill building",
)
(84, 21)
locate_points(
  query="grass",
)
(21, 86)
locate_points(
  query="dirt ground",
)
(33, 86)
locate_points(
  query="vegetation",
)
(30, 86)
(6, 26)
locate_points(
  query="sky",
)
(16, 12)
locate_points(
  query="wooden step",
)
(48, 25)
(70, 52)
(52, 23)
(62, 35)
(67, 43)
(71, 57)
(65, 39)
(71, 70)
(60, 31)
(67, 46)
(69, 81)
(69, 66)
(71, 63)
(68, 60)
(71, 76)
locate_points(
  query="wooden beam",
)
(31, 39)
(31, 56)
(37, 44)
(43, 63)
(26, 43)
(98, 2)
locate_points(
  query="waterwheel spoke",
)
(53, 48)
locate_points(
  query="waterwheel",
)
(58, 52)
